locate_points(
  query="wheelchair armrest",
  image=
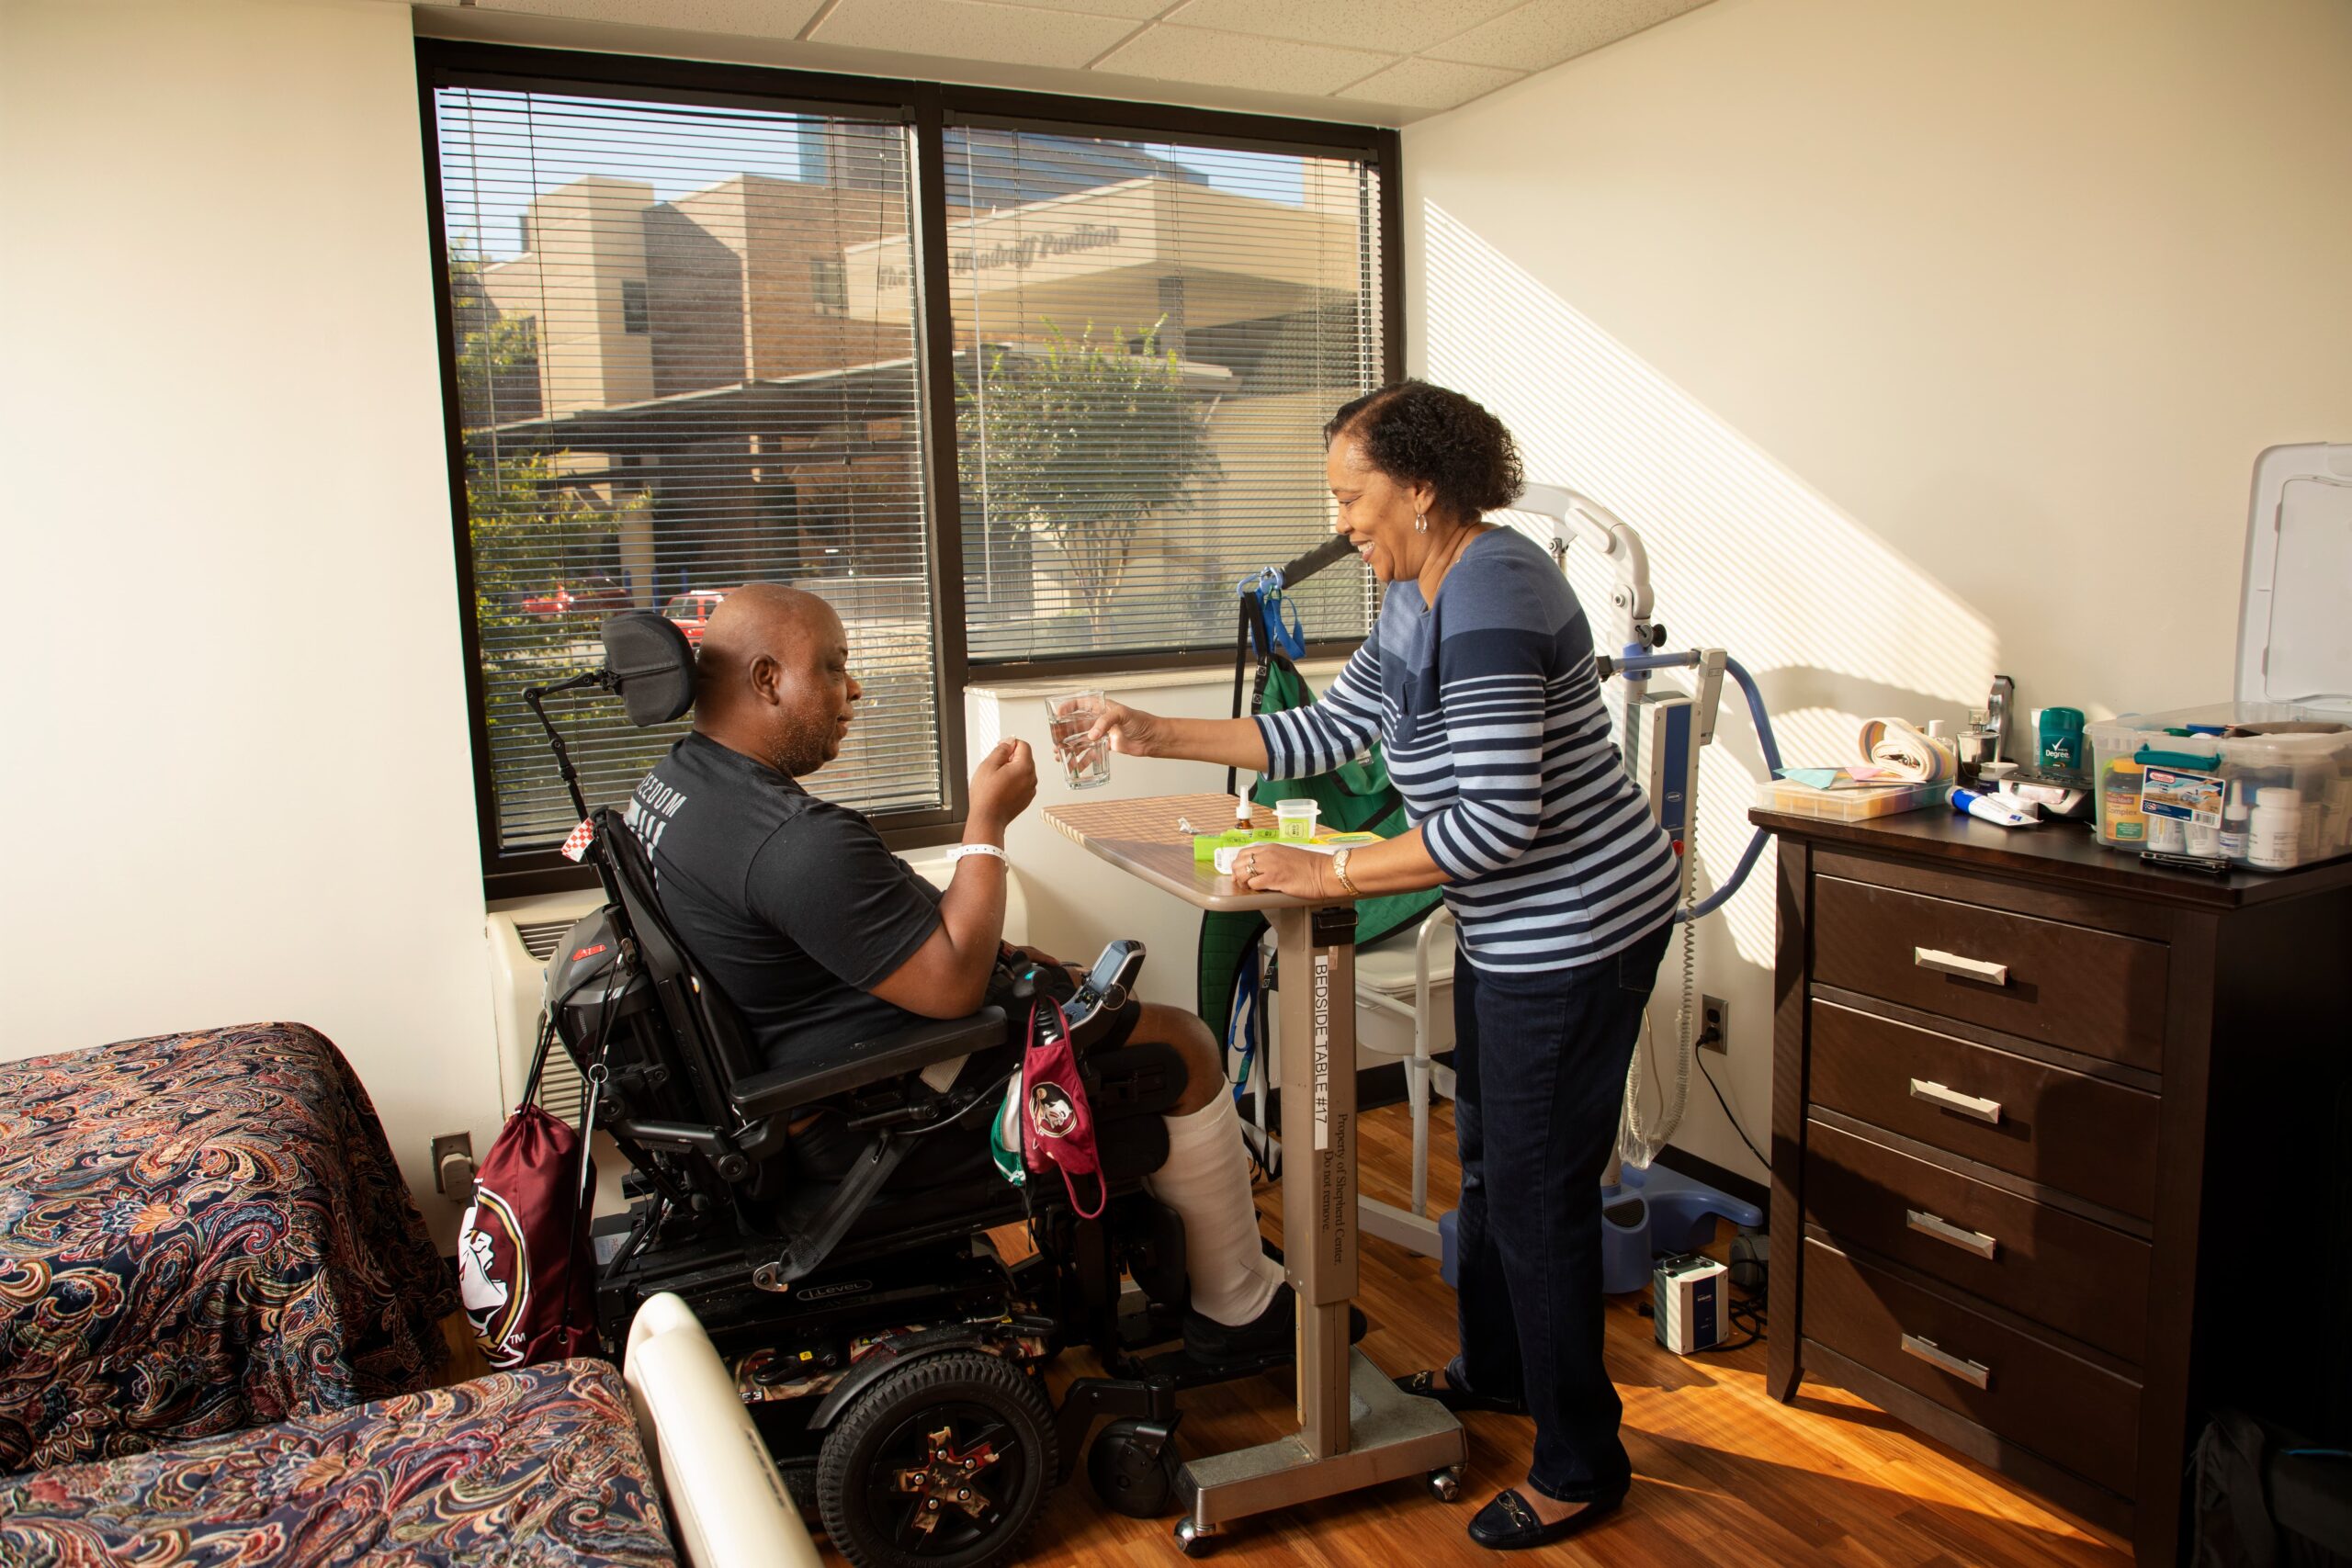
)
(909, 1050)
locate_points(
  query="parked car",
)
(692, 612)
(597, 596)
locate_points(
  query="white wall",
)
(237, 776)
(1921, 341)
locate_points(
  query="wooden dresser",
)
(2055, 1136)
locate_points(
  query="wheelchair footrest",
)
(1182, 1369)
(1145, 1324)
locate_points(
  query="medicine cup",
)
(1294, 819)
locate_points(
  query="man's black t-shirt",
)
(792, 903)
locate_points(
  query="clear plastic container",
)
(2317, 766)
(1849, 805)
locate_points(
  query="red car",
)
(596, 597)
(692, 612)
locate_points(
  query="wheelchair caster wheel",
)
(1445, 1485)
(1193, 1540)
(1133, 1468)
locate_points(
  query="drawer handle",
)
(1944, 1230)
(1975, 1372)
(1966, 969)
(1952, 1100)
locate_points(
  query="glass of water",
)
(1069, 715)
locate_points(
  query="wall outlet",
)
(453, 1164)
(1714, 1031)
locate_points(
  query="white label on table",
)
(1322, 1050)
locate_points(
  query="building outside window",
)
(828, 285)
(1146, 334)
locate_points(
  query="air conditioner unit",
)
(522, 936)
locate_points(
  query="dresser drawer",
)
(2076, 1275)
(2078, 1134)
(2063, 984)
(2027, 1390)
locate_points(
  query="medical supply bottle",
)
(2274, 835)
(2233, 824)
(2121, 820)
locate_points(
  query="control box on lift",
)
(1665, 731)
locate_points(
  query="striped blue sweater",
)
(1491, 712)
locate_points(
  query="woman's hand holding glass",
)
(1131, 732)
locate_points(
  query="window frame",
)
(926, 109)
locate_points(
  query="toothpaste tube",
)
(1994, 808)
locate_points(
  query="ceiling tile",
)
(1133, 10)
(1232, 59)
(1429, 84)
(753, 18)
(1545, 32)
(1403, 26)
(972, 29)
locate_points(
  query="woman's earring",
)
(1421, 522)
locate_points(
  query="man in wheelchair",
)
(822, 939)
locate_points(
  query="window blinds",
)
(1148, 337)
(686, 361)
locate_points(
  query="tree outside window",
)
(1084, 444)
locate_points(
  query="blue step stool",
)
(1649, 1214)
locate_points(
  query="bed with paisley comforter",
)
(201, 1233)
(540, 1468)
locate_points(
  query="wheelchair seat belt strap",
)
(815, 1243)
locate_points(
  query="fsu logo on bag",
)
(1050, 1110)
(494, 1277)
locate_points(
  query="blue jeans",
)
(1539, 1065)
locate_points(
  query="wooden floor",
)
(1722, 1474)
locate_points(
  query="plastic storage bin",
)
(2281, 800)
(1849, 805)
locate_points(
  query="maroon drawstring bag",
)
(1054, 1107)
(526, 1275)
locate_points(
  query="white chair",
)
(1408, 977)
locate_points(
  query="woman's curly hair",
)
(1418, 433)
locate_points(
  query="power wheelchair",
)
(892, 1358)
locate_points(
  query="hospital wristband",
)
(960, 850)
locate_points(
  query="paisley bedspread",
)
(534, 1469)
(201, 1233)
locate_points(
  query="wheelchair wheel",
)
(943, 1463)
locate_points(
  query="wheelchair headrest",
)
(652, 666)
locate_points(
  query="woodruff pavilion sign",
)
(1024, 252)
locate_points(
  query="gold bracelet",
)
(1340, 870)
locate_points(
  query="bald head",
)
(773, 680)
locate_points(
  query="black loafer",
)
(1455, 1397)
(1508, 1523)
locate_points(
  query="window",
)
(1042, 411)
(828, 285)
(1149, 335)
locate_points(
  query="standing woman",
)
(1478, 681)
